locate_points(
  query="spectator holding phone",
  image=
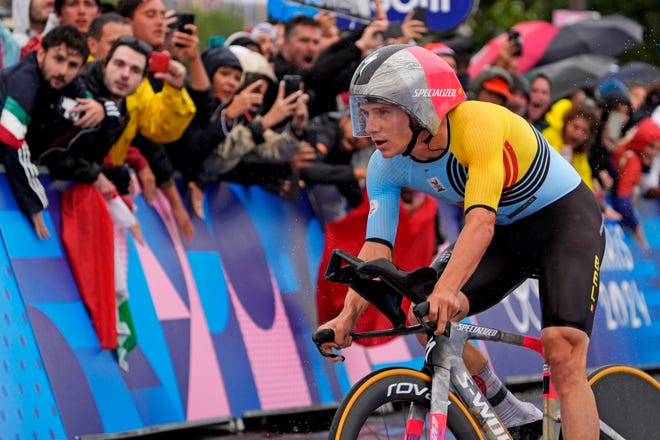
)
(326, 74)
(147, 19)
(45, 109)
(236, 143)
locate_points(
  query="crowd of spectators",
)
(122, 98)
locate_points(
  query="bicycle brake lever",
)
(422, 309)
(324, 336)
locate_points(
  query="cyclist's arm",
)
(354, 304)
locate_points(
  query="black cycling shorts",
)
(562, 245)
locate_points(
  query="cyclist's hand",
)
(343, 338)
(443, 306)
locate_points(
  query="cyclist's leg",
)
(494, 278)
(566, 351)
(568, 288)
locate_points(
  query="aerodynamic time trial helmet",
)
(413, 78)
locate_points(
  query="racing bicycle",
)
(441, 400)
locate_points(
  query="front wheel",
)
(377, 408)
(628, 402)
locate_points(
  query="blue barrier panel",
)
(223, 322)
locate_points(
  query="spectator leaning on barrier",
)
(45, 106)
(253, 152)
(209, 128)
(114, 77)
(147, 19)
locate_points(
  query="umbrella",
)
(576, 71)
(535, 35)
(635, 72)
(609, 35)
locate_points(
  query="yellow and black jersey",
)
(495, 160)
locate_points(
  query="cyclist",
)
(527, 213)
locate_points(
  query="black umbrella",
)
(576, 71)
(609, 35)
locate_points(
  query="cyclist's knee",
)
(565, 349)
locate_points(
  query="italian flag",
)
(13, 123)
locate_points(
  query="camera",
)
(64, 109)
(515, 36)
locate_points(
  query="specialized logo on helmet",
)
(432, 93)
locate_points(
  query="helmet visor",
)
(380, 110)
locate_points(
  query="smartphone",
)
(182, 20)
(515, 36)
(419, 13)
(158, 62)
(64, 108)
(291, 84)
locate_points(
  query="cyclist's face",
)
(388, 126)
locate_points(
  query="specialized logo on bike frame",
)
(436, 184)
(433, 93)
(478, 330)
(373, 207)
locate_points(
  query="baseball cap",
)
(497, 85)
(440, 49)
